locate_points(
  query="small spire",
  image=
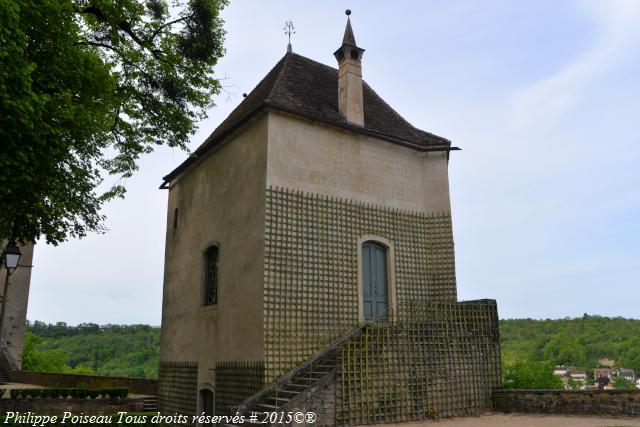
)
(349, 48)
(288, 30)
(348, 39)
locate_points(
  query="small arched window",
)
(211, 276)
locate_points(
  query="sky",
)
(543, 97)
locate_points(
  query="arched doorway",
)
(375, 282)
(206, 401)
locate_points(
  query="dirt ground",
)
(524, 420)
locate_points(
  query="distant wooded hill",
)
(112, 350)
(579, 342)
(133, 350)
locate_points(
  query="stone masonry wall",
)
(76, 406)
(48, 379)
(617, 403)
(311, 268)
(17, 302)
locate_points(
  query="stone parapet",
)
(618, 403)
(75, 406)
(46, 379)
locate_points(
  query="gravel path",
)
(523, 420)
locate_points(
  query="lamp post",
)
(11, 259)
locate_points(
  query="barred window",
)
(175, 218)
(211, 276)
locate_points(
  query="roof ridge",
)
(277, 68)
(285, 64)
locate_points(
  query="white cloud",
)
(544, 102)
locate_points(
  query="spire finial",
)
(288, 30)
(348, 39)
(349, 48)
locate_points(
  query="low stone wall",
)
(76, 406)
(621, 403)
(134, 385)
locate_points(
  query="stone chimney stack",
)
(349, 57)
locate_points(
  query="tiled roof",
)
(307, 88)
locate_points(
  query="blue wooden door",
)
(375, 301)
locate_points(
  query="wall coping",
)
(53, 379)
(134, 379)
(561, 391)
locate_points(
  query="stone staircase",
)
(292, 388)
(7, 365)
(4, 376)
(150, 403)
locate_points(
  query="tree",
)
(113, 350)
(621, 383)
(86, 88)
(530, 375)
(575, 384)
(41, 361)
(47, 360)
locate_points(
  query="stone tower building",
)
(312, 208)
(15, 318)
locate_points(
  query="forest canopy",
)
(110, 350)
(530, 348)
(579, 342)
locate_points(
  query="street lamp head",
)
(12, 256)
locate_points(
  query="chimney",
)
(349, 58)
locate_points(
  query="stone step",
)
(278, 399)
(284, 391)
(297, 385)
(267, 407)
(150, 404)
(4, 377)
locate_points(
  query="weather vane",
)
(288, 30)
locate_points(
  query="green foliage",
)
(528, 375)
(142, 419)
(41, 360)
(111, 350)
(117, 393)
(133, 350)
(579, 342)
(573, 384)
(621, 383)
(86, 88)
(74, 393)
